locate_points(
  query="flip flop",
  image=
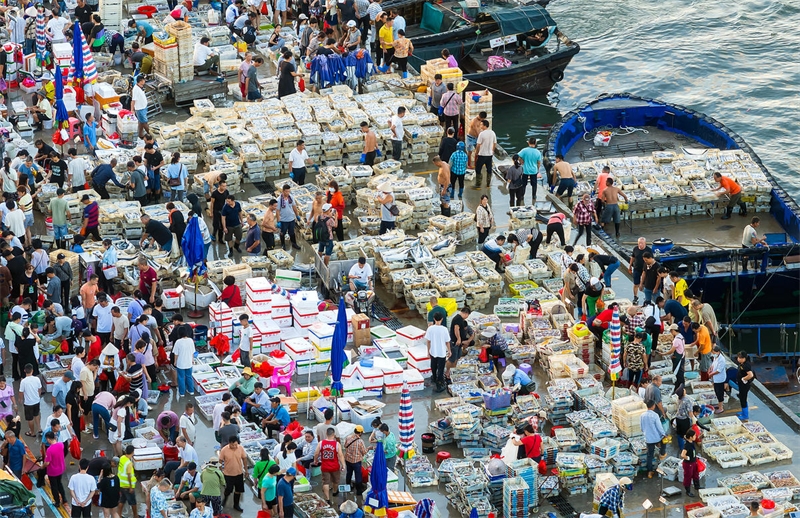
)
(29, 434)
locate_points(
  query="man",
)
(385, 197)
(459, 338)
(245, 340)
(677, 353)
(360, 275)
(16, 453)
(60, 213)
(475, 126)
(325, 224)
(167, 425)
(186, 454)
(258, 403)
(127, 481)
(53, 289)
(443, 179)
(600, 185)
(232, 224)
(707, 317)
(718, 374)
(120, 325)
(155, 161)
(703, 343)
(205, 59)
(354, 451)
(650, 423)
(64, 273)
(77, 169)
(89, 294)
(227, 429)
(242, 73)
(330, 457)
(651, 282)
(730, 188)
(217, 201)
(493, 248)
(252, 86)
(486, 144)
(636, 265)
(91, 218)
(653, 393)
(60, 389)
(190, 486)
(101, 175)
(447, 147)
(285, 493)
(138, 182)
(31, 390)
(287, 215)
(252, 242)
(139, 102)
(58, 169)
(148, 280)
(306, 448)
(396, 127)
(232, 12)
(321, 430)
(233, 458)
(184, 350)
(610, 198)
(278, 418)
(436, 309)
(188, 424)
(750, 239)
(370, 144)
(531, 162)
(458, 169)
(298, 159)
(437, 338)
(102, 406)
(216, 413)
(103, 318)
(562, 173)
(82, 488)
(614, 498)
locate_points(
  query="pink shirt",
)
(6, 395)
(55, 456)
(105, 399)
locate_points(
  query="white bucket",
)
(47, 124)
(48, 224)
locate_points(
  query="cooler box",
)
(258, 289)
(285, 321)
(288, 279)
(414, 380)
(259, 308)
(321, 335)
(380, 332)
(419, 358)
(268, 331)
(371, 377)
(305, 313)
(449, 305)
(393, 389)
(299, 349)
(392, 371)
(174, 299)
(332, 316)
(149, 434)
(281, 307)
(353, 388)
(219, 313)
(411, 336)
(148, 459)
(343, 404)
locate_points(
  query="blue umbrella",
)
(338, 343)
(61, 114)
(377, 501)
(194, 252)
(77, 53)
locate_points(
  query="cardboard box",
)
(361, 334)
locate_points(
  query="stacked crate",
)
(516, 498)
(165, 59)
(626, 413)
(74, 263)
(112, 14)
(182, 32)
(483, 104)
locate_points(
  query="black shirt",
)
(96, 29)
(158, 231)
(638, 261)
(109, 490)
(228, 431)
(96, 466)
(219, 199)
(58, 172)
(691, 452)
(324, 51)
(603, 261)
(45, 150)
(153, 159)
(742, 371)
(173, 335)
(651, 275)
(447, 148)
(347, 10)
(461, 323)
(83, 14)
(17, 268)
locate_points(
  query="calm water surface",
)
(736, 61)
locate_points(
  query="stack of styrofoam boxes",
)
(62, 54)
(281, 311)
(321, 337)
(393, 349)
(371, 378)
(302, 352)
(112, 14)
(332, 316)
(220, 319)
(266, 336)
(418, 358)
(289, 333)
(353, 387)
(392, 374)
(259, 297)
(305, 313)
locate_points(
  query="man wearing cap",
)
(495, 344)
(614, 498)
(244, 386)
(385, 197)
(233, 458)
(330, 457)
(324, 225)
(349, 509)
(676, 353)
(277, 419)
(285, 493)
(352, 38)
(61, 387)
(354, 451)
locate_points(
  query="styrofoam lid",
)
(299, 344)
(287, 333)
(266, 326)
(411, 332)
(258, 284)
(419, 352)
(320, 330)
(279, 300)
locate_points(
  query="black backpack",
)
(319, 232)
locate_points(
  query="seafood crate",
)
(729, 507)
(783, 478)
(738, 484)
(703, 512)
(758, 479)
(707, 494)
(732, 460)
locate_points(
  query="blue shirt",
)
(16, 455)
(282, 415)
(158, 502)
(613, 498)
(90, 133)
(521, 378)
(674, 308)
(651, 427)
(60, 390)
(135, 310)
(284, 489)
(458, 163)
(492, 245)
(531, 158)
(231, 214)
(104, 173)
(148, 29)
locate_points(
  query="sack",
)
(122, 386)
(75, 448)
(110, 271)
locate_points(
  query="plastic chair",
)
(283, 377)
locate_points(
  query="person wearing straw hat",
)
(389, 210)
(495, 344)
(349, 509)
(109, 365)
(614, 498)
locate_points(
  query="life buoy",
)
(556, 75)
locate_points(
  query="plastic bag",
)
(509, 451)
(75, 448)
(496, 466)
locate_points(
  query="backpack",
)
(320, 230)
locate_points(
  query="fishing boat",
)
(663, 155)
(495, 45)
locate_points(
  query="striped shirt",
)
(92, 215)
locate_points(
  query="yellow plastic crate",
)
(449, 305)
(516, 287)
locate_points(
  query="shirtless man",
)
(610, 198)
(268, 225)
(316, 207)
(472, 136)
(567, 179)
(443, 179)
(370, 144)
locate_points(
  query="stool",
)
(442, 456)
(502, 361)
(74, 127)
(526, 368)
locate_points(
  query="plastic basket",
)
(497, 401)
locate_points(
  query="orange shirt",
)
(703, 340)
(601, 183)
(88, 295)
(729, 185)
(233, 461)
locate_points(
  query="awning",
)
(523, 19)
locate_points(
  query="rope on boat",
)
(546, 105)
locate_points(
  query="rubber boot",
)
(744, 415)
(728, 212)
(742, 209)
(688, 491)
(461, 194)
(405, 75)
(236, 498)
(696, 485)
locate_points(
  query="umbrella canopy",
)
(337, 349)
(424, 508)
(407, 428)
(615, 366)
(61, 114)
(377, 500)
(192, 246)
(473, 513)
(82, 61)
(42, 56)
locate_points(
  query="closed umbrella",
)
(83, 70)
(194, 252)
(615, 365)
(42, 56)
(407, 428)
(338, 343)
(61, 116)
(424, 508)
(377, 501)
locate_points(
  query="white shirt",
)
(201, 54)
(363, 273)
(399, 23)
(486, 141)
(217, 414)
(104, 318)
(64, 434)
(231, 13)
(204, 231)
(297, 159)
(239, 22)
(245, 338)
(82, 484)
(139, 98)
(288, 462)
(55, 28)
(23, 312)
(30, 387)
(748, 235)
(718, 366)
(189, 454)
(15, 221)
(184, 351)
(397, 121)
(192, 481)
(77, 170)
(439, 336)
(188, 422)
(76, 367)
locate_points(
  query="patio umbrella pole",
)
(195, 313)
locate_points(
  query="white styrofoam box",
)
(332, 316)
(414, 379)
(343, 403)
(284, 321)
(269, 331)
(49, 385)
(353, 388)
(303, 330)
(388, 344)
(393, 389)
(426, 373)
(381, 332)
(288, 279)
(281, 306)
(174, 299)
(258, 289)
(287, 333)
(268, 348)
(300, 349)
(350, 372)
(315, 366)
(419, 358)
(148, 459)
(411, 336)
(392, 371)
(62, 50)
(371, 377)
(259, 308)
(321, 335)
(322, 354)
(219, 312)
(222, 330)
(305, 313)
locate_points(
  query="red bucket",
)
(147, 10)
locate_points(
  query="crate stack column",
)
(183, 35)
(112, 15)
(165, 59)
(476, 102)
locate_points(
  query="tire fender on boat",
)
(556, 75)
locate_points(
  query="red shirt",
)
(146, 280)
(337, 201)
(231, 296)
(729, 185)
(533, 445)
(329, 456)
(605, 317)
(94, 350)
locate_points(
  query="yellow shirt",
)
(387, 37)
(678, 291)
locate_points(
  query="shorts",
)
(28, 220)
(471, 142)
(81, 512)
(611, 212)
(126, 496)
(637, 276)
(360, 285)
(253, 96)
(332, 19)
(326, 246)
(234, 233)
(31, 412)
(331, 478)
(455, 353)
(566, 184)
(141, 116)
(43, 117)
(60, 231)
(446, 196)
(280, 5)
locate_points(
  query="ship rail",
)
(771, 340)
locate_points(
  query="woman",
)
(276, 41)
(287, 459)
(530, 444)
(213, 480)
(109, 261)
(402, 49)
(336, 199)
(683, 418)
(109, 365)
(231, 295)
(593, 295)
(201, 510)
(634, 358)
(121, 415)
(555, 225)
(569, 294)
(176, 178)
(451, 60)
(485, 219)
(281, 446)
(515, 182)
(29, 287)
(27, 347)
(74, 403)
(288, 73)
(583, 215)
(268, 485)
(108, 488)
(744, 375)
(147, 485)
(261, 467)
(332, 16)
(582, 280)
(39, 259)
(691, 472)
(139, 358)
(8, 403)
(177, 223)
(389, 445)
